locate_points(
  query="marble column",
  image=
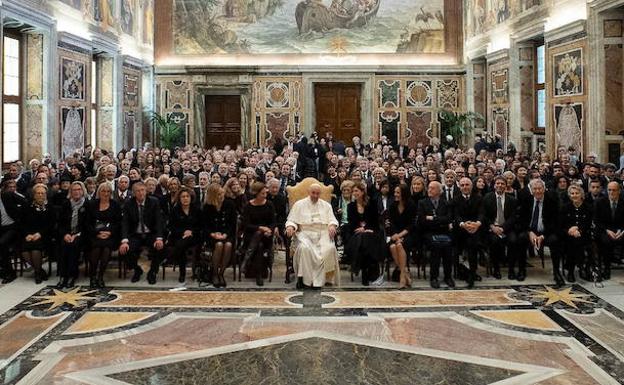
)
(106, 109)
(118, 134)
(515, 99)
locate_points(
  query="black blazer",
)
(550, 214)
(65, 216)
(441, 217)
(509, 211)
(281, 207)
(467, 210)
(179, 222)
(402, 221)
(573, 216)
(152, 218)
(108, 220)
(13, 204)
(223, 221)
(602, 215)
(38, 221)
(456, 192)
(370, 216)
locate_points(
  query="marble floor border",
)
(563, 313)
(60, 318)
(532, 373)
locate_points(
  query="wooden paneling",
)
(337, 107)
(223, 120)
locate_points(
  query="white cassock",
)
(315, 258)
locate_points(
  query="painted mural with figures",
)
(308, 26)
(483, 15)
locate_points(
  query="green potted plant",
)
(169, 132)
(458, 124)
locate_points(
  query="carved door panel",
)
(337, 107)
(223, 120)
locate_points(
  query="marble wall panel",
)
(277, 105)
(34, 68)
(614, 60)
(34, 123)
(613, 28)
(105, 128)
(418, 127)
(276, 126)
(405, 105)
(527, 95)
(566, 93)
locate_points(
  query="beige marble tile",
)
(99, 321)
(532, 319)
(405, 299)
(201, 299)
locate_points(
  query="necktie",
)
(500, 218)
(613, 209)
(435, 204)
(535, 218)
(141, 222)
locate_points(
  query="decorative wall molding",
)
(565, 31)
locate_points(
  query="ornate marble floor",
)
(137, 335)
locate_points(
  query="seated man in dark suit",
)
(434, 222)
(468, 220)
(281, 213)
(609, 221)
(499, 218)
(142, 226)
(11, 204)
(537, 226)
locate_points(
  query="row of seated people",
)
(467, 222)
(508, 227)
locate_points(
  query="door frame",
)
(366, 80)
(200, 91)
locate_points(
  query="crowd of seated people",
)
(457, 207)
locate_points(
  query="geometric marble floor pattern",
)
(496, 335)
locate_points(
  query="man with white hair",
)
(316, 258)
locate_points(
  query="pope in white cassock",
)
(312, 222)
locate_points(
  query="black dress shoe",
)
(182, 278)
(62, 284)
(37, 277)
(606, 274)
(259, 281)
(521, 276)
(511, 275)
(478, 278)
(137, 275)
(449, 282)
(71, 283)
(470, 282)
(43, 275)
(222, 282)
(435, 283)
(559, 282)
(100, 283)
(151, 278)
(570, 276)
(497, 274)
(300, 284)
(9, 277)
(93, 284)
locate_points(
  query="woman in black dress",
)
(401, 231)
(37, 228)
(103, 228)
(259, 223)
(220, 227)
(72, 225)
(576, 221)
(366, 247)
(184, 228)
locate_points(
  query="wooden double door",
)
(223, 120)
(337, 107)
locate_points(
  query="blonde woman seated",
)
(220, 227)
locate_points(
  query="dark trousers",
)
(552, 241)
(470, 243)
(440, 252)
(180, 248)
(497, 249)
(69, 262)
(136, 244)
(606, 246)
(9, 237)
